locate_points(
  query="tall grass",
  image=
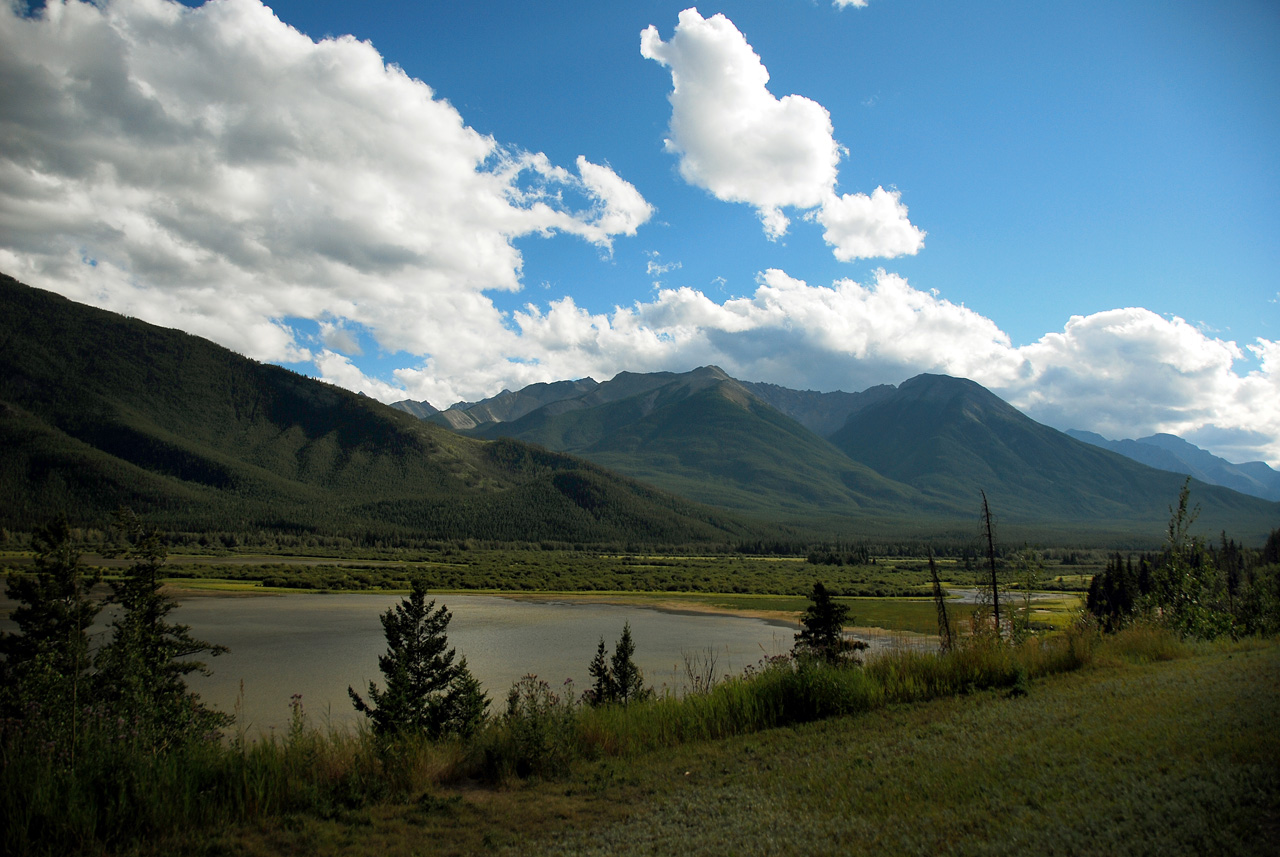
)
(786, 690)
(116, 791)
(112, 788)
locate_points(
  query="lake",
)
(317, 645)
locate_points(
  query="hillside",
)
(98, 410)
(504, 406)
(908, 459)
(950, 437)
(705, 436)
(821, 413)
(1169, 452)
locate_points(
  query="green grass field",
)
(1168, 758)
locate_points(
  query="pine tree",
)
(628, 681)
(45, 667)
(618, 678)
(426, 693)
(143, 668)
(823, 624)
(602, 688)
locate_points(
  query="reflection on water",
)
(317, 645)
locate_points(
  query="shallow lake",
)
(317, 645)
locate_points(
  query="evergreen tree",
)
(426, 693)
(1271, 550)
(823, 624)
(628, 681)
(1114, 594)
(143, 668)
(47, 663)
(618, 678)
(602, 688)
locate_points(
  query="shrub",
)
(535, 737)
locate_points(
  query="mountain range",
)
(1170, 452)
(98, 411)
(921, 451)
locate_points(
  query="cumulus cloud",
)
(216, 170)
(733, 136)
(1130, 372)
(1123, 373)
(736, 140)
(860, 226)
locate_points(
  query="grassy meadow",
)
(1154, 747)
(1072, 743)
(1066, 741)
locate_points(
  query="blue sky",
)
(1074, 204)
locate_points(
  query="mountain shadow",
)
(950, 437)
(98, 410)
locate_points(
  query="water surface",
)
(317, 645)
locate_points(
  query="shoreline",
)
(689, 604)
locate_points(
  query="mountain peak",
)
(946, 386)
(1170, 452)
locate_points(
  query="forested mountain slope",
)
(98, 410)
(950, 436)
(705, 436)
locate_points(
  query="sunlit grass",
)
(1139, 756)
(1176, 758)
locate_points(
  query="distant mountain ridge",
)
(922, 450)
(98, 410)
(821, 413)
(1170, 452)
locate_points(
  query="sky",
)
(1074, 204)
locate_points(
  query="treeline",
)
(551, 571)
(81, 727)
(1198, 588)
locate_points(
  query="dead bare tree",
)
(991, 559)
(945, 642)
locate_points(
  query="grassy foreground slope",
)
(1163, 759)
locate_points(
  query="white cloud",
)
(1130, 373)
(733, 137)
(222, 171)
(860, 226)
(841, 4)
(656, 269)
(738, 141)
(620, 208)
(1123, 373)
